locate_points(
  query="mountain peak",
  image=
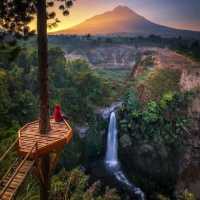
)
(124, 21)
(122, 8)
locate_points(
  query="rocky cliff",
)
(108, 56)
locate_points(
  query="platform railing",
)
(17, 170)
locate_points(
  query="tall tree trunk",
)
(44, 124)
(45, 184)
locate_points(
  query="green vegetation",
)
(151, 134)
(161, 81)
(84, 91)
(71, 185)
(77, 88)
(152, 139)
(150, 121)
(117, 79)
(190, 49)
(117, 75)
(74, 85)
(74, 186)
(159, 121)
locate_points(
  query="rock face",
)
(106, 111)
(189, 175)
(112, 56)
(189, 171)
(190, 78)
(151, 164)
(121, 56)
(194, 112)
(82, 131)
(167, 59)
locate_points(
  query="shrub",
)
(74, 185)
(161, 81)
(157, 120)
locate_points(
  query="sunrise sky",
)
(183, 14)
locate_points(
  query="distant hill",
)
(125, 22)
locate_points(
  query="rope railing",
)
(17, 170)
(9, 149)
(9, 170)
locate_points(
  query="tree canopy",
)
(15, 15)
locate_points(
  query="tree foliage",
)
(15, 15)
(157, 82)
(74, 85)
(85, 90)
(152, 140)
(74, 185)
(157, 121)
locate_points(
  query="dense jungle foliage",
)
(73, 85)
(152, 138)
(150, 121)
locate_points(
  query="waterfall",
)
(111, 158)
(112, 143)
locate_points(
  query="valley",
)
(87, 76)
(126, 78)
(120, 59)
(109, 57)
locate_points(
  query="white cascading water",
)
(111, 158)
(112, 144)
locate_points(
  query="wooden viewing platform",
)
(59, 135)
(31, 146)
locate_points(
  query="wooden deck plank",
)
(51, 133)
(39, 141)
(28, 143)
(60, 133)
(40, 146)
(35, 137)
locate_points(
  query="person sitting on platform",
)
(58, 115)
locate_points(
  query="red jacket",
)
(57, 114)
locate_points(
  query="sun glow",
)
(78, 13)
(60, 26)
